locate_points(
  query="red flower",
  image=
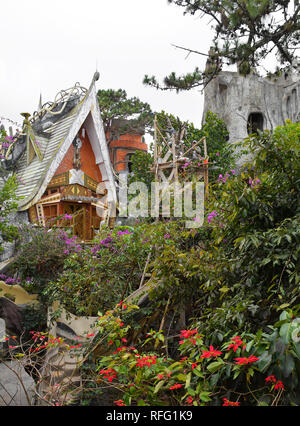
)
(176, 386)
(230, 403)
(188, 333)
(189, 400)
(271, 378)
(109, 374)
(194, 365)
(210, 353)
(146, 360)
(122, 348)
(119, 402)
(237, 342)
(245, 360)
(279, 385)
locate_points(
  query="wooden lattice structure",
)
(173, 158)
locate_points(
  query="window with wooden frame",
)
(50, 212)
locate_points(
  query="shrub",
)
(98, 276)
(40, 256)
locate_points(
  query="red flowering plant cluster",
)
(150, 378)
(40, 341)
(201, 375)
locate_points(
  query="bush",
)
(99, 276)
(40, 257)
(248, 369)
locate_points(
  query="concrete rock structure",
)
(248, 103)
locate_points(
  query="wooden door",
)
(80, 215)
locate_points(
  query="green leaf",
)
(285, 332)
(224, 289)
(188, 380)
(288, 365)
(181, 377)
(158, 386)
(198, 373)
(204, 396)
(214, 366)
(264, 362)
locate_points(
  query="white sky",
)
(47, 46)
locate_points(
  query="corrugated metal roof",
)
(54, 130)
(31, 175)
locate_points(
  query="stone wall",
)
(17, 219)
(234, 98)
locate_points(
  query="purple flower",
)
(253, 183)
(68, 216)
(186, 165)
(167, 236)
(211, 216)
(126, 232)
(106, 241)
(10, 280)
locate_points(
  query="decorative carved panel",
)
(62, 179)
(76, 190)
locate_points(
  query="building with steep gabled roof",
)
(63, 163)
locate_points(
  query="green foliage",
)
(245, 33)
(260, 369)
(98, 277)
(229, 288)
(140, 167)
(115, 105)
(8, 198)
(242, 267)
(8, 206)
(214, 129)
(40, 257)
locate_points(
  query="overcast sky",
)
(49, 46)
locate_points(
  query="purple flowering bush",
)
(40, 256)
(99, 275)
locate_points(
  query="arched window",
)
(255, 122)
(289, 107)
(129, 162)
(223, 93)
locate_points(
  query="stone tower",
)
(253, 102)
